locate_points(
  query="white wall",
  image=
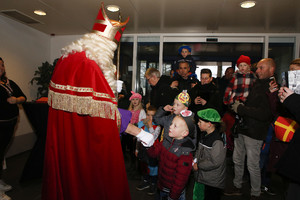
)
(23, 49)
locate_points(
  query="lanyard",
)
(7, 87)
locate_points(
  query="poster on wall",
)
(291, 79)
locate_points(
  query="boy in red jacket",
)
(175, 158)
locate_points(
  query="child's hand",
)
(136, 153)
(168, 108)
(149, 122)
(195, 167)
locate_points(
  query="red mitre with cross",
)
(107, 28)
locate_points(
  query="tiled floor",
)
(32, 190)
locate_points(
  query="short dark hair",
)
(206, 71)
(152, 108)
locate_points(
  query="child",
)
(136, 108)
(209, 163)
(185, 55)
(175, 159)
(138, 114)
(148, 165)
(239, 86)
(163, 118)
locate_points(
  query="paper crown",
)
(184, 98)
(107, 28)
(285, 128)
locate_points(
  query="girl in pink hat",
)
(136, 108)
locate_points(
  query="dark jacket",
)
(210, 93)
(162, 94)
(289, 164)
(188, 59)
(256, 112)
(9, 111)
(175, 164)
(185, 84)
(211, 155)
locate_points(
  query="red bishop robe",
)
(83, 157)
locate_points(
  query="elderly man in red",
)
(83, 157)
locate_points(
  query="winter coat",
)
(211, 155)
(256, 112)
(175, 164)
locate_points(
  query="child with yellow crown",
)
(175, 151)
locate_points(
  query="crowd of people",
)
(187, 125)
(232, 116)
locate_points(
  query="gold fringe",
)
(84, 106)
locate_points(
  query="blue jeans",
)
(164, 195)
(244, 145)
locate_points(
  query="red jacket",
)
(175, 164)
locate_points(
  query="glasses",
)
(148, 78)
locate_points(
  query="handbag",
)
(285, 128)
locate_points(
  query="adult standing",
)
(289, 163)
(161, 93)
(10, 96)
(206, 94)
(83, 155)
(257, 116)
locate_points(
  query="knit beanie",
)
(135, 96)
(184, 47)
(209, 115)
(244, 59)
(188, 117)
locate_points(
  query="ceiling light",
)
(248, 4)
(39, 12)
(113, 8)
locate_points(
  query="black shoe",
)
(152, 189)
(233, 192)
(267, 190)
(254, 198)
(143, 185)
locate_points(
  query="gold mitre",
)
(107, 28)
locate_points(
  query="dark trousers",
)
(7, 129)
(212, 193)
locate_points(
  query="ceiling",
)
(76, 17)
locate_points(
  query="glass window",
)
(222, 55)
(125, 62)
(282, 51)
(147, 56)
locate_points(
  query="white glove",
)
(235, 106)
(119, 86)
(146, 138)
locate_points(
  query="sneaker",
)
(254, 198)
(4, 187)
(152, 190)
(3, 196)
(267, 190)
(143, 185)
(233, 192)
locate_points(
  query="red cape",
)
(83, 157)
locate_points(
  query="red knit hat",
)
(244, 59)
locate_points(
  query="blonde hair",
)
(139, 107)
(152, 72)
(98, 49)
